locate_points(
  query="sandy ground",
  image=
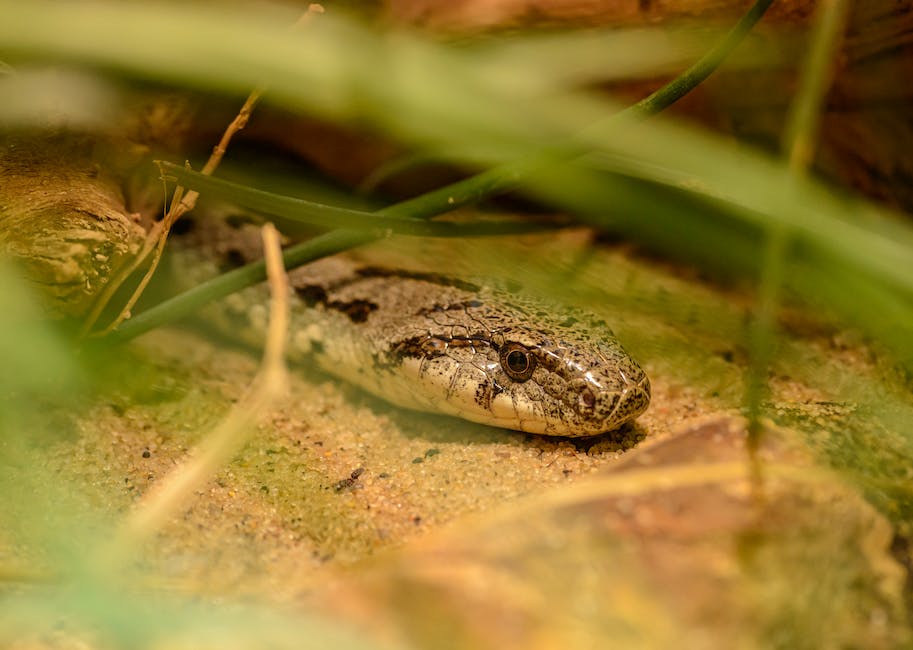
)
(335, 485)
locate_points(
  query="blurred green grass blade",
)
(56, 96)
(538, 63)
(88, 612)
(280, 175)
(407, 87)
(332, 67)
(293, 209)
(804, 119)
(762, 192)
(675, 220)
(34, 356)
(799, 144)
(699, 226)
(428, 94)
(440, 76)
(301, 211)
(42, 381)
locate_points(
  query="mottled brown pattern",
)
(357, 310)
(442, 344)
(431, 278)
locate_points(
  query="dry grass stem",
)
(181, 204)
(217, 448)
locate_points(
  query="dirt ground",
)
(390, 519)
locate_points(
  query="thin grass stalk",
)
(799, 144)
(442, 200)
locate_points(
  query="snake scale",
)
(435, 343)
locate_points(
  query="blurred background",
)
(727, 184)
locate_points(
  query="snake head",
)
(575, 383)
(572, 378)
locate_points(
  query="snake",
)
(472, 348)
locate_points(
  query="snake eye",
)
(517, 362)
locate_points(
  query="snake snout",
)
(626, 395)
(633, 400)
